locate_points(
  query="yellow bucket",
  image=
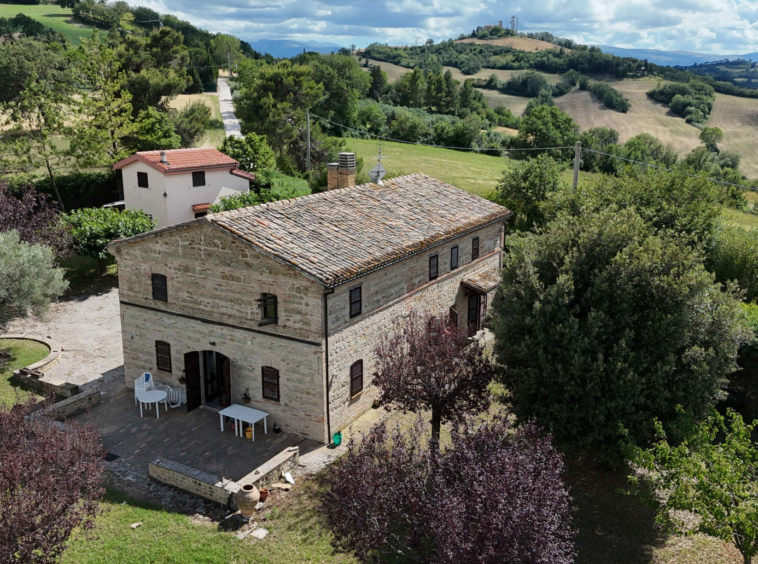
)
(249, 432)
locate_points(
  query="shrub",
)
(393, 497)
(604, 322)
(733, 255)
(191, 122)
(610, 97)
(29, 281)
(49, 485)
(94, 228)
(154, 132)
(529, 84)
(252, 151)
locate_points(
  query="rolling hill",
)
(673, 58)
(521, 43)
(53, 16)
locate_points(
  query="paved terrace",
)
(194, 438)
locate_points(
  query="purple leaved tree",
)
(49, 484)
(429, 363)
(36, 220)
(496, 495)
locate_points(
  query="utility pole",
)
(308, 128)
(577, 162)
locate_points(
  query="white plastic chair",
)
(144, 383)
(176, 397)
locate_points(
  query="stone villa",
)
(284, 303)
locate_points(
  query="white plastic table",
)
(241, 413)
(152, 396)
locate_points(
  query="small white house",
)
(180, 184)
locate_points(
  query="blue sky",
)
(706, 26)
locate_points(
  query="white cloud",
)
(714, 26)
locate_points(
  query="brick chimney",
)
(342, 173)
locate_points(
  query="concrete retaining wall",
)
(270, 472)
(69, 406)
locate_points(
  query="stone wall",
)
(69, 406)
(388, 295)
(270, 472)
(194, 481)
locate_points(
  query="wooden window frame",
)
(353, 390)
(268, 301)
(140, 176)
(434, 273)
(454, 256)
(352, 301)
(159, 294)
(474, 248)
(273, 378)
(195, 184)
(165, 353)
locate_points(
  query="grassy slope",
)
(521, 43)
(53, 16)
(23, 353)
(214, 136)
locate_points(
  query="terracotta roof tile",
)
(482, 281)
(180, 160)
(242, 173)
(341, 234)
(201, 207)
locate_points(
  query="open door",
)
(225, 387)
(192, 375)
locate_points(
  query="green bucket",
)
(337, 438)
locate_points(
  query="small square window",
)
(163, 356)
(160, 287)
(475, 248)
(198, 178)
(270, 383)
(434, 270)
(201, 214)
(269, 309)
(355, 302)
(454, 258)
(142, 180)
(356, 378)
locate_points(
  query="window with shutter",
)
(270, 383)
(475, 248)
(142, 181)
(198, 178)
(269, 309)
(160, 287)
(356, 378)
(433, 267)
(163, 356)
(454, 258)
(355, 301)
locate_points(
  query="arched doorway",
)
(210, 383)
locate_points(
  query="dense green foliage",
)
(710, 473)
(269, 186)
(191, 122)
(29, 281)
(732, 254)
(252, 151)
(609, 96)
(547, 126)
(94, 228)
(605, 320)
(693, 101)
(78, 189)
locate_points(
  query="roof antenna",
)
(377, 173)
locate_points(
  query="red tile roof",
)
(181, 160)
(201, 207)
(242, 173)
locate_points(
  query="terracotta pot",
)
(264, 494)
(247, 499)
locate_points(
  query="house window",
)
(201, 214)
(269, 309)
(198, 178)
(355, 301)
(142, 180)
(434, 270)
(160, 287)
(454, 258)
(270, 383)
(356, 378)
(163, 356)
(475, 248)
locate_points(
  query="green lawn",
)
(468, 170)
(23, 353)
(297, 533)
(53, 16)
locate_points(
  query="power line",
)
(742, 186)
(478, 149)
